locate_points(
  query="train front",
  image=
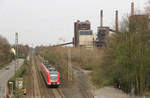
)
(54, 78)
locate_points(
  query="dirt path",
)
(83, 84)
(87, 91)
(79, 88)
(110, 92)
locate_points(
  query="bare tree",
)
(5, 55)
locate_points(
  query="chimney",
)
(132, 9)
(117, 20)
(101, 18)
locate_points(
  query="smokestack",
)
(117, 20)
(101, 18)
(132, 9)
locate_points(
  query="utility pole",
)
(69, 65)
(16, 48)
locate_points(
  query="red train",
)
(50, 74)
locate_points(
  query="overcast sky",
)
(45, 21)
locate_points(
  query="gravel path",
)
(110, 92)
(106, 92)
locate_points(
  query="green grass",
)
(4, 65)
(21, 73)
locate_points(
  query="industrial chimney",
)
(132, 9)
(116, 20)
(101, 18)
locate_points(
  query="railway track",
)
(83, 84)
(45, 91)
(33, 88)
(36, 79)
(37, 87)
(84, 90)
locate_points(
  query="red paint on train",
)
(46, 73)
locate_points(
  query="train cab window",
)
(46, 63)
(53, 75)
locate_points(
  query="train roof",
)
(45, 63)
(50, 68)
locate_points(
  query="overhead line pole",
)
(69, 66)
(16, 49)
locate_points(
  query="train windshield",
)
(53, 75)
(46, 63)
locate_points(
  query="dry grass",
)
(81, 57)
(85, 58)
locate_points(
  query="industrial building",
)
(102, 33)
(135, 22)
(86, 38)
(82, 34)
(139, 20)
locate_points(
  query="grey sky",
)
(45, 21)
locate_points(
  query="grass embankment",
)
(4, 65)
(22, 72)
(84, 58)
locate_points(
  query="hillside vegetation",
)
(126, 60)
(80, 57)
(5, 55)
